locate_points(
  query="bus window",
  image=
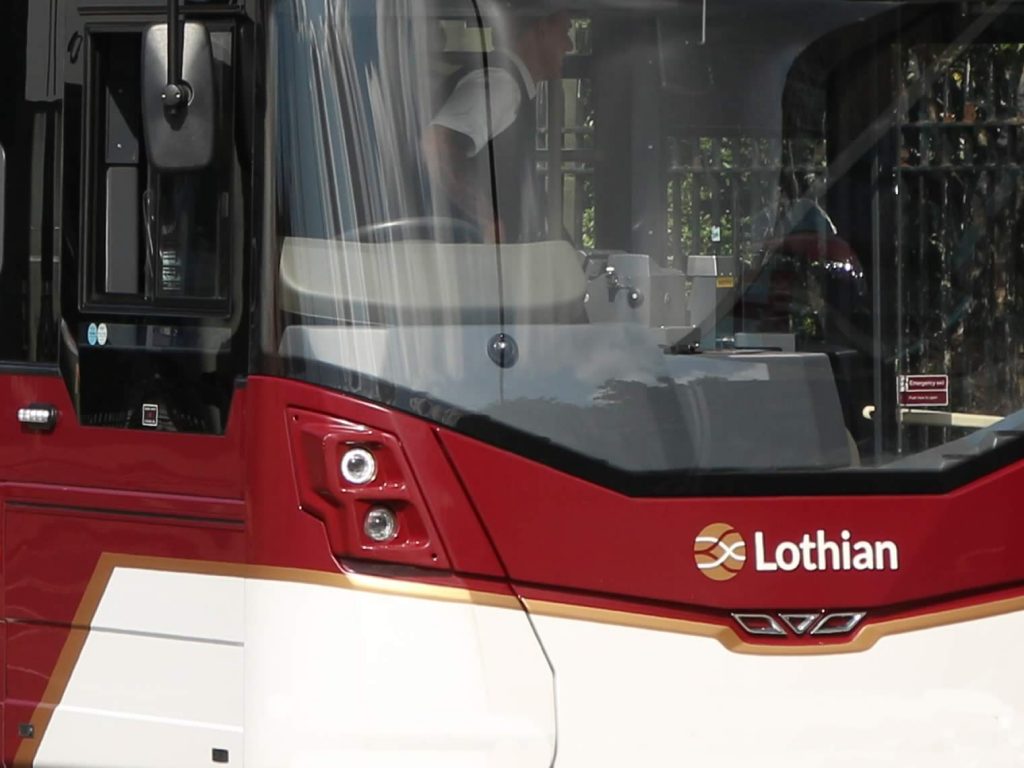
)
(27, 137)
(173, 254)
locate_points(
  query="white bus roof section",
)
(419, 281)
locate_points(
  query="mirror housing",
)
(179, 137)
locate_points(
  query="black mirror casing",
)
(180, 139)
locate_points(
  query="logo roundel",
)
(719, 552)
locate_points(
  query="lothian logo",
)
(720, 552)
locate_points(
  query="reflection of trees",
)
(725, 195)
(962, 261)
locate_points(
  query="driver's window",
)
(153, 239)
(363, 156)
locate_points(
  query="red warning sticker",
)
(923, 391)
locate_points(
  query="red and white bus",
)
(511, 383)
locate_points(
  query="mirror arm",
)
(176, 93)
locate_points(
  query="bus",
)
(511, 383)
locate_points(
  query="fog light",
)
(358, 466)
(381, 525)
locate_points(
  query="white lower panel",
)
(332, 677)
(187, 605)
(159, 682)
(97, 739)
(951, 696)
(137, 701)
(339, 677)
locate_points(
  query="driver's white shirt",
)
(465, 113)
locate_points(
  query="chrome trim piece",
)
(799, 622)
(838, 623)
(760, 624)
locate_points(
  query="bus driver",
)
(465, 134)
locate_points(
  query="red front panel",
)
(74, 494)
(568, 541)
(121, 459)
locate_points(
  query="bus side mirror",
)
(179, 136)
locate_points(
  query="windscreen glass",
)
(733, 237)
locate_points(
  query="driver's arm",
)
(482, 105)
(447, 157)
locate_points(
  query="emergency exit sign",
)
(923, 391)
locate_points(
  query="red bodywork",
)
(473, 515)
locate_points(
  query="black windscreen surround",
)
(28, 136)
(670, 247)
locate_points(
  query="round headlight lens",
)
(381, 525)
(358, 466)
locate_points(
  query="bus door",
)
(121, 356)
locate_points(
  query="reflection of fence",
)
(960, 234)
(724, 195)
(955, 247)
(728, 195)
